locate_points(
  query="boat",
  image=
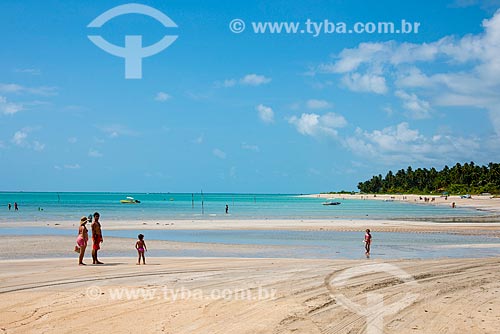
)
(130, 200)
(331, 203)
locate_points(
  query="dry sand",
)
(56, 296)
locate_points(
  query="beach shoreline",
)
(478, 202)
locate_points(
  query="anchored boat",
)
(130, 200)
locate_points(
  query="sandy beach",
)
(55, 296)
(44, 291)
(478, 202)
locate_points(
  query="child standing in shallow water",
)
(368, 241)
(140, 245)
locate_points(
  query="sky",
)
(224, 110)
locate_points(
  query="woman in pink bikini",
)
(81, 240)
(140, 245)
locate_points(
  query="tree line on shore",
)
(459, 179)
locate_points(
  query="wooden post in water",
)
(202, 204)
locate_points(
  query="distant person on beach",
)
(10, 206)
(81, 240)
(96, 238)
(367, 241)
(140, 245)
(227, 209)
(16, 208)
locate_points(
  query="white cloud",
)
(19, 138)
(11, 88)
(247, 80)
(219, 153)
(9, 108)
(254, 80)
(250, 147)
(452, 72)
(72, 140)
(318, 104)
(418, 108)
(162, 97)
(317, 125)
(401, 144)
(365, 83)
(94, 153)
(266, 114)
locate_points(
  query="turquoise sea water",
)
(299, 244)
(71, 206)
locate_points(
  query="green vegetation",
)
(459, 179)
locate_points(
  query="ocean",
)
(70, 206)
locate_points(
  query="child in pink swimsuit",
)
(140, 245)
(368, 242)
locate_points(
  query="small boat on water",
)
(130, 200)
(331, 203)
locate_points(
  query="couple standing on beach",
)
(83, 237)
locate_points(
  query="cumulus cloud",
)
(402, 144)
(266, 114)
(468, 74)
(254, 80)
(365, 83)
(20, 138)
(318, 125)
(9, 108)
(219, 153)
(162, 97)
(418, 108)
(317, 104)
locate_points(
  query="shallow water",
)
(302, 244)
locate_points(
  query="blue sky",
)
(247, 112)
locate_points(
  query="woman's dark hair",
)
(140, 236)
